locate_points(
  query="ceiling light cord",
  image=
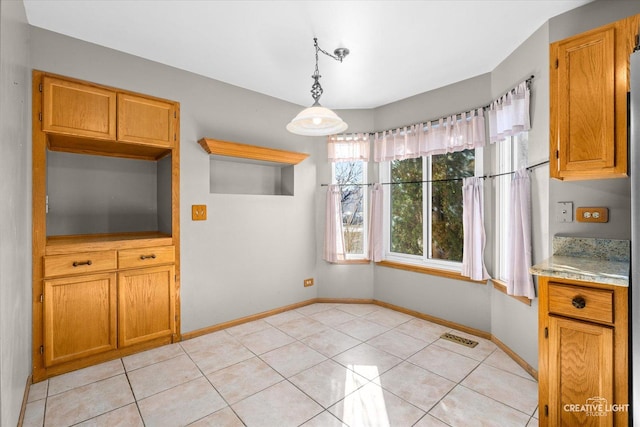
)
(316, 89)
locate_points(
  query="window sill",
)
(351, 261)
(502, 287)
(427, 270)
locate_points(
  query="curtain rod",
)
(435, 122)
(528, 168)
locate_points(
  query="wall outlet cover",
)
(564, 212)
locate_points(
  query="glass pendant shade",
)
(317, 121)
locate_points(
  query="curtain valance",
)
(509, 114)
(348, 147)
(443, 136)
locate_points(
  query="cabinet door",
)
(145, 120)
(77, 109)
(146, 304)
(585, 102)
(79, 317)
(580, 373)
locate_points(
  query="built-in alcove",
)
(90, 194)
(248, 169)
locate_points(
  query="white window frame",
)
(365, 209)
(420, 260)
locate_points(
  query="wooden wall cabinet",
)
(73, 111)
(583, 353)
(102, 296)
(589, 81)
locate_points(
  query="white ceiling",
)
(398, 48)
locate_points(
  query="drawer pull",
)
(579, 302)
(78, 263)
(143, 257)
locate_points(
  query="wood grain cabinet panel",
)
(589, 81)
(78, 109)
(146, 257)
(145, 120)
(79, 317)
(580, 370)
(146, 299)
(79, 263)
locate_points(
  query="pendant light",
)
(318, 120)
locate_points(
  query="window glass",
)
(421, 210)
(350, 176)
(446, 203)
(406, 207)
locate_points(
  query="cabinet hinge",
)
(546, 410)
(557, 63)
(175, 114)
(40, 87)
(40, 116)
(41, 349)
(546, 332)
(175, 137)
(557, 154)
(46, 204)
(41, 298)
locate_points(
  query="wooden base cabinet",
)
(80, 317)
(583, 359)
(146, 301)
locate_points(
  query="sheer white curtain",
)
(509, 114)
(447, 135)
(376, 244)
(520, 282)
(473, 229)
(334, 250)
(348, 147)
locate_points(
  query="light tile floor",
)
(320, 365)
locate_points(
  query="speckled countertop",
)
(592, 260)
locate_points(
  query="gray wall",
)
(97, 194)
(15, 208)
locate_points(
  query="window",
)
(351, 176)
(431, 212)
(511, 156)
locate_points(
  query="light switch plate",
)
(198, 212)
(564, 212)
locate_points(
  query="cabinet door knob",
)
(579, 302)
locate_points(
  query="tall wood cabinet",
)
(589, 81)
(100, 296)
(583, 354)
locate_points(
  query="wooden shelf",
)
(56, 245)
(253, 152)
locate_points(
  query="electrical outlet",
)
(198, 212)
(592, 214)
(308, 282)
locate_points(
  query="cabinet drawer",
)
(581, 302)
(79, 263)
(144, 257)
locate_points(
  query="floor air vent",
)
(459, 340)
